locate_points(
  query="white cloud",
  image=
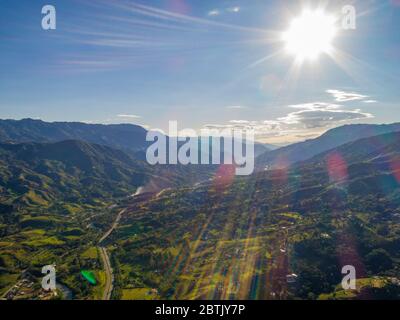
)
(217, 12)
(214, 12)
(316, 106)
(320, 114)
(104, 121)
(272, 124)
(129, 116)
(235, 107)
(343, 96)
(307, 118)
(240, 122)
(370, 101)
(233, 9)
(187, 133)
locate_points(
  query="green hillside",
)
(242, 239)
(55, 201)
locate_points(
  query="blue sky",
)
(202, 62)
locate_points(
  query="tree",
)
(379, 260)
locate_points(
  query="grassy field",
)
(361, 284)
(138, 294)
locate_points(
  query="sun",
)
(310, 35)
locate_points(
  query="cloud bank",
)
(343, 96)
(308, 118)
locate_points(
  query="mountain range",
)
(74, 171)
(126, 137)
(333, 138)
(321, 204)
(112, 156)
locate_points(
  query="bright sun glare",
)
(310, 35)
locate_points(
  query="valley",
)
(277, 235)
(180, 151)
(146, 233)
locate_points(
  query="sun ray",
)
(356, 68)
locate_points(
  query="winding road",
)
(141, 196)
(106, 259)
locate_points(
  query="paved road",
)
(106, 259)
(109, 274)
(103, 251)
(115, 224)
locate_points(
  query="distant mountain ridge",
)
(333, 138)
(74, 153)
(126, 137)
(132, 139)
(367, 165)
(375, 149)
